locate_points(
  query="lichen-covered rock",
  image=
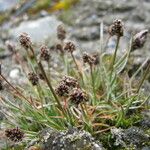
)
(118, 134)
(136, 136)
(145, 123)
(72, 139)
(131, 137)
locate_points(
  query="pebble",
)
(14, 73)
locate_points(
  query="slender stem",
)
(93, 84)
(144, 77)
(14, 88)
(86, 119)
(51, 88)
(107, 40)
(40, 96)
(35, 58)
(49, 70)
(114, 57)
(80, 73)
(112, 65)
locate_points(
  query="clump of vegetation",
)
(90, 93)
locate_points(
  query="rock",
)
(88, 15)
(7, 5)
(73, 139)
(118, 134)
(14, 73)
(88, 34)
(16, 76)
(145, 123)
(42, 30)
(135, 136)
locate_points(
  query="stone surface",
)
(42, 30)
(133, 136)
(88, 15)
(6, 5)
(72, 139)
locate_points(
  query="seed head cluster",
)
(59, 48)
(116, 28)
(78, 96)
(89, 59)
(44, 55)
(62, 89)
(70, 81)
(66, 85)
(70, 47)
(25, 40)
(139, 39)
(15, 134)
(96, 57)
(61, 32)
(33, 78)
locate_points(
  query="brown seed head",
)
(25, 40)
(89, 59)
(116, 28)
(139, 39)
(96, 57)
(59, 48)
(15, 134)
(61, 32)
(44, 55)
(78, 96)
(62, 89)
(70, 81)
(70, 47)
(40, 75)
(33, 78)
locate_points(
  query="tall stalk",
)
(114, 57)
(16, 90)
(50, 87)
(93, 84)
(80, 73)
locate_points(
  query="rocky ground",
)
(83, 25)
(88, 15)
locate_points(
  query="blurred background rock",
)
(82, 19)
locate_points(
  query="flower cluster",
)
(116, 28)
(70, 47)
(25, 40)
(33, 78)
(139, 39)
(61, 32)
(62, 89)
(15, 134)
(91, 60)
(59, 48)
(44, 55)
(65, 85)
(70, 81)
(78, 96)
(70, 87)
